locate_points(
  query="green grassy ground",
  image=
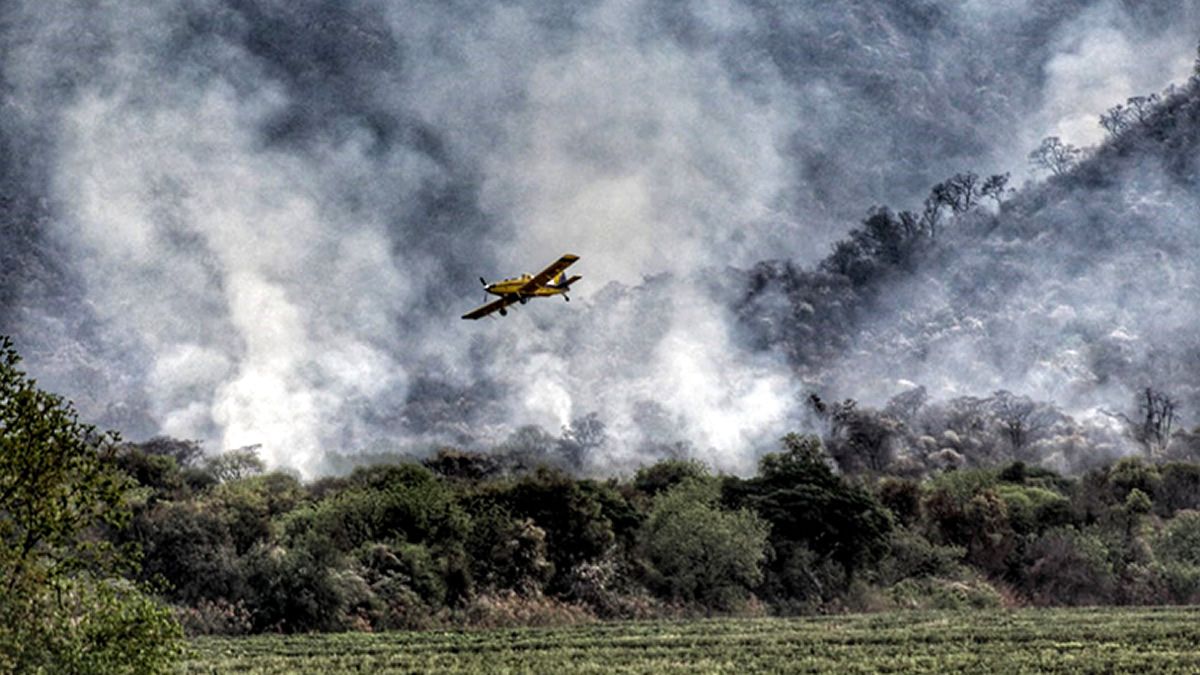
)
(1144, 640)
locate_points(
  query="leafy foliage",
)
(700, 552)
(59, 611)
(818, 520)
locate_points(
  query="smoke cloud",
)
(1106, 55)
(266, 217)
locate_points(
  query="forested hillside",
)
(1048, 324)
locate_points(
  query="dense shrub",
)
(62, 606)
(700, 553)
(824, 529)
(1067, 566)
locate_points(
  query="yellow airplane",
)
(520, 289)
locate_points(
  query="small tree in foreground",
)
(58, 612)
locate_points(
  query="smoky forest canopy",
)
(256, 223)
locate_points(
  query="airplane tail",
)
(565, 284)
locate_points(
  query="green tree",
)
(966, 508)
(507, 553)
(1179, 488)
(462, 465)
(1179, 541)
(187, 547)
(58, 483)
(1177, 548)
(1066, 566)
(297, 589)
(823, 528)
(235, 464)
(700, 552)
(902, 497)
(668, 473)
(571, 512)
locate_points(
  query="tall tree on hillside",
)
(1015, 416)
(1157, 413)
(996, 188)
(1055, 156)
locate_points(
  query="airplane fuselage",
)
(512, 288)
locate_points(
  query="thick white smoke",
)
(1100, 59)
(266, 302)
(278, 210)
(264, 309)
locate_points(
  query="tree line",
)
(456, 540)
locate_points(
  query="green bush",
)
(508, 554)
(1066, 566)
(667, 473)
(824, 529)
(571, 513)
(60, 489)
(1179, 489)
(85, 625)
(902, 497)
(911, 556)
(701, 553)
(1182, 582)
(296, 589)
(1179, 540)
(1034, 509)
(406, 581)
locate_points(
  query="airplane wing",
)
(542, 278)
(484, 310)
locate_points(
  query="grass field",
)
(1144, 640)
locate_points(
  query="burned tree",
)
(1115, 120)
(1055, 156)
(1016, 418)
(931, 215)
(995, 188)
(961, 191)
(907, 404)
(1156, 417)
(1140, 108)
(578, 440)
(1135, 110)
(859, 439)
